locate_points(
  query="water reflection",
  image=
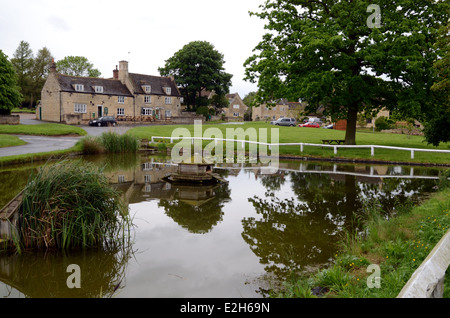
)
(214, 240)
(44, 275)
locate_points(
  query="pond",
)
(235, 239)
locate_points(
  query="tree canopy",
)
(31, 71)
(10, 96)
(347, 57)
(77, 66)
(196, 67)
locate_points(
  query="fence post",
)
(412, 154)
(335, 150)
(301, 148)
(372, 151)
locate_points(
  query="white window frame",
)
(79, 87)
(98, 89)
(121, 99)
(120, 111)
(80, 108)
(147, 99)
(168, 90)
(148, 111)
(168, 100)
(236, 106)
(147, 89)
(236, 114)
(168, 113)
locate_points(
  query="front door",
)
(100, 111)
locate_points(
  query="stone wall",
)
(10, 120)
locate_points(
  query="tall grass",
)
(71, 205)
(110, 142)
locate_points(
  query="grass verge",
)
(71, 205)
(10, 141)
(397, 245)
(42, 129)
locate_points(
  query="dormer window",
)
(168, 90)
(147, 89)
(79, 87)
(98, 89)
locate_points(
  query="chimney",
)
(53, 66)
(116, 73)
(123, 71)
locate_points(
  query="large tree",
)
(196, 67)
(340, 56)
(77, 66)
(32, 71)
(10, 96)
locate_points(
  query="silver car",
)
(286, 122)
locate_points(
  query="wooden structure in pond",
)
(9, 218)
(194, 173)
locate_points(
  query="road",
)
(36, 144)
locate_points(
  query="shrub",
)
(383, 123)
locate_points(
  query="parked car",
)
(330, 126)
(286, 122)
(310, 124)
(103, 121)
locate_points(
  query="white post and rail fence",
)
(428, 280)
(302, 145)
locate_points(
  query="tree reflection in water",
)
(294, 234)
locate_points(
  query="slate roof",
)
(110, 86)
(157, 84)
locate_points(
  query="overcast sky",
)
(144, 32)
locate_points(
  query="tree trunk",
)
(350, 133)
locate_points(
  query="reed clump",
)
(71, 205)
(110, 142)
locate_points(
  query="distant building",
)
(126, 96)
(281, 109)
(236, 108)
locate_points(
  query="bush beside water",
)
(71, 205)
(110, 142)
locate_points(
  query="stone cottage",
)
(126, 96)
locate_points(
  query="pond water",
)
(236, 239)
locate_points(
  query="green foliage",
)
(110, 142)
(32, 71)
(10, 96)
(71, 205)
(197, 66)
(324, 53)
(437, 130)
(77, 66)
(383, 123)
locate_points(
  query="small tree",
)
(10, 96)
(77, 66)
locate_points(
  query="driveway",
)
(36, 144)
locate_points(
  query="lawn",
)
(42, 129)
(315, 136)
(9, 141)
